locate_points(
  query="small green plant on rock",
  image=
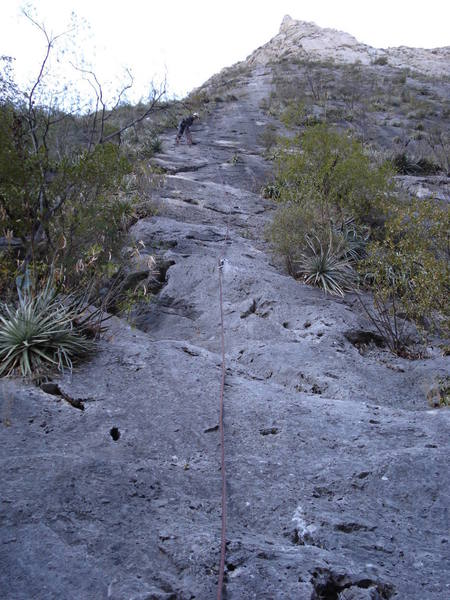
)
(438, 393)
(354, 238)
(325, 265)
(45, 332)
(151, 146)
(271, 191)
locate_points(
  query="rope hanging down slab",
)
(221, 433)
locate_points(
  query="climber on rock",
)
(184, 127)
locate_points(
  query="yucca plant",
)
(355, 238)
(326, 266)
(45, 332)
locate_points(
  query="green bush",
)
(354, 238)
(151, 146)
(291, 223)
(408, 165)
(328, 190)
(294, 114)
(61, 172)
(268, 137)
(326, 185)
(408, 272)
(331, 171)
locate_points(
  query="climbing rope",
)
(221, 432)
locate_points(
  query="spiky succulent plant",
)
(44, 332)
(325, 265)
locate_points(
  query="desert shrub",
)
(138, 188)
(291, 223)
(198, 99)
(331, 171)
(151, 146)
(294, 114)
(406, 164)
(408, 272)
(328, 191)
(61, 175)
(439, 144)
(295, 228)
(271, 191)
(268, 137)
(354, 238)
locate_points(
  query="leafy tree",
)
(61, 174)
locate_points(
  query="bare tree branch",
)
(124, 89)
(151, 108)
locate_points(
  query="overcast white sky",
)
(191, 40)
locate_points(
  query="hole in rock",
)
(360, 338)
(163, 267)
(328, 586)
(114, 433)
(269, 431)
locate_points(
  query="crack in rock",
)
(330, 585)
(53, 389)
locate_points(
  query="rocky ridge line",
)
(306, 40)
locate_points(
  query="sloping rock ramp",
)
(337, 476)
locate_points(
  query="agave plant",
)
(326, 266)
(44, 332)
(355, 238)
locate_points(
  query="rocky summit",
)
(305, 39)
(337, 465)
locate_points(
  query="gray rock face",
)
(337, 475)
(307, 40)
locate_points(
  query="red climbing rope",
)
(221, 433)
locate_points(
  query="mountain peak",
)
(286, 23)
(304, 39)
